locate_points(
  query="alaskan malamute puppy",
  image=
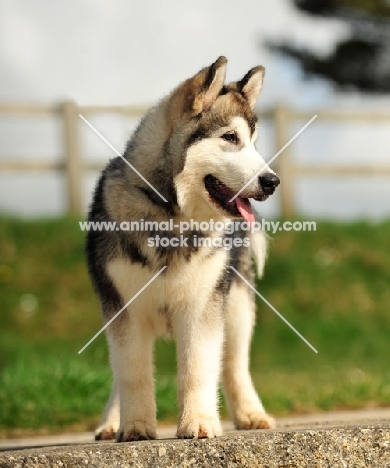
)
(195, 148)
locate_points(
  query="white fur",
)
(199, 345)
(182, 301)
(259, 251)
(199, 351)
(243, 402)
(186, 288)
(109, 424)
(232, 166)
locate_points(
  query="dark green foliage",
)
(361, 60)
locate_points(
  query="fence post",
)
(73, 166)
(282, 125)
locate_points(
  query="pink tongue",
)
(245, 209)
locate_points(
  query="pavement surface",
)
(341, 439)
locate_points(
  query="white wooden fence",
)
(75, 166)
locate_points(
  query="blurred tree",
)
(362, 60)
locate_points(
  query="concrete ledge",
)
(334, 446)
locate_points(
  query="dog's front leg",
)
(110, 421)
(244, 404)
(131, 355)
(199, 338)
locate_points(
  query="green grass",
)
(332, 285)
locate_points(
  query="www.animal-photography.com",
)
(195, 233)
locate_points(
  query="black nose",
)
(269, 182)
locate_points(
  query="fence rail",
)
(75, 166)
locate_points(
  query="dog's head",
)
(215, 127)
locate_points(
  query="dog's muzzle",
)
(268, 183)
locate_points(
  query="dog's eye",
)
(230, 137)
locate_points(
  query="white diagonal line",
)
(123, 308)
(276, 312)
(124, 159)
(269, 162)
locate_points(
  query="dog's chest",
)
(183, 287)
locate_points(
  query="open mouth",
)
(221, 195)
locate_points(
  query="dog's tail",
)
(259, 241)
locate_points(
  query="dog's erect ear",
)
(208, 83)
(250, 86)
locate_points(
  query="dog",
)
(193, 152)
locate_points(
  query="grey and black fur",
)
(196, 148)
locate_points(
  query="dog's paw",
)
(199, 428)
(137, 430)
(254, 420)
(105, 432)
